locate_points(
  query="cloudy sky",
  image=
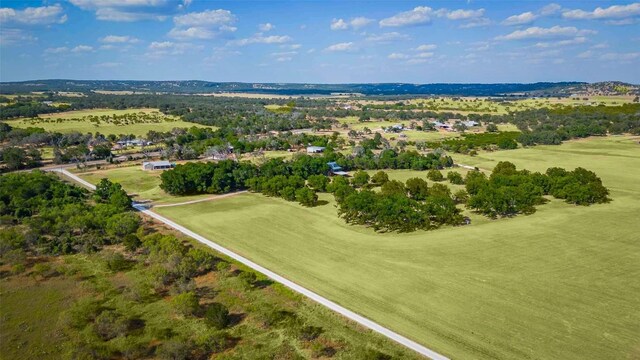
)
(321, 41)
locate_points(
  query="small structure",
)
(134, 142)
(315, 149)
(395, 128)
(157, 165)
(335, 169)
(441, 125)
(470, 123)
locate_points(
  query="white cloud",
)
(259, 38)
(162, 48)
(461, 14)
(57, 50)
(359, 22)
(209, 18)
(130, 10)
(522, 19)
(108, 65)
(418, 16)
(82, 49)
(355, 23)
(44, 15)
(586, 54)
(623, 57)
(266, 27)
(387, 37)
(339, 24)
(612, 12)
(426, 47)
(119, 39)
(424, 55)
(545, 33)
(341, 47)
(476, 22)
(14, 36)
(550, 9)
(203, 25)
(416, 61)
(398, 56)
(574, 41)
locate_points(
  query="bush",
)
(306, 197)
(217, 316)
(454, 177)
(360, 178)
(435, 175)
(117, 262)
(186, 303)
(175, 349)
(318, 182)
(109, 325)
(308, 333)
(379, 178)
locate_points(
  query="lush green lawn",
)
(143, 185)
(78, 121)
(563, 283)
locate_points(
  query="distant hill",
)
(196, 87)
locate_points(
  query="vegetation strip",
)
(297, 288)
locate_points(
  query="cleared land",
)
(143, 185)
(80, 120)
(562, 283)
(483, 105)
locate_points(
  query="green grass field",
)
(65, 122)
(563, 283)
(144, 185)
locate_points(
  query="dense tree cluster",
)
(397, 206)
(57, 217)
(508, 191)
(552, 126)
(487, 141)
(287, 179)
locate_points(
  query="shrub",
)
(360, 178)
(217, 316)
(379, 178)
(306, 197)
(186, 303)
(454, 177)
(435, 175)
(117, 262)
(109, 324)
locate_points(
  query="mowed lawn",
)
(78, 121)
(141, 184)
(563, 283)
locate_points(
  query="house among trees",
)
(157, 165)
(335, 169)
(315, 149)
(395, 128)
(470, 123)
(441, 125)
(133, 142)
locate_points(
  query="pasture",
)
(106, 121)
(141, 184)
(483, 105)
(562, 283)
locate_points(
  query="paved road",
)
(275, 277)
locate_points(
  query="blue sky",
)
(321, 41)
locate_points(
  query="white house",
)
(157, 165)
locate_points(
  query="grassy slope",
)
(104, 128)
(145, 185)
(562, 283)
(34, 333)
